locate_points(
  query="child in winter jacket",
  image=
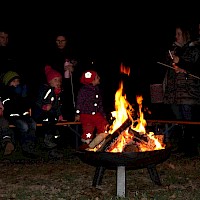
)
(17, 105)
(48, 106)
(89, 107)
(6, 134)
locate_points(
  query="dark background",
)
(135, 33)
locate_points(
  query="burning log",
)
(138, 136)
(97, 140)
(131, 147)
(111, 138)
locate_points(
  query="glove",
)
(60, 118)
(77, 118)
(47, 107)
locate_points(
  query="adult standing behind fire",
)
(89, 107)
(8, 57)
(62, 59)
(182, 91)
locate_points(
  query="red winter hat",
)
(51, 73)
(88, 76)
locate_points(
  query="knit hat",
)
(10, 76)
(87, 77)
(51, 73)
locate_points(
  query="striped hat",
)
(10, 76)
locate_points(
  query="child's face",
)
(96, 80)
(56, 82)
(15, 82)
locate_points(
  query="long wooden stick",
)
(172, 122)
(173, 68)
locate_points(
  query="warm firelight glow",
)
(124, 111)
(124, 69)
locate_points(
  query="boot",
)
(190, 142)
(9, 148)
(48, 141)
(29, 151)
(55, 154)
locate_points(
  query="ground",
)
(70, 179)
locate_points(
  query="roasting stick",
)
(173, 68)
(172, 121)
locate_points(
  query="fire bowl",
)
(131, 160)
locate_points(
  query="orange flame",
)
(123, 111)
(124, 69)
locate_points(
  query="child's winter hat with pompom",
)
(51, 73)
(87, 77)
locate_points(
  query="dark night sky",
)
(96, 25)
(135, 34)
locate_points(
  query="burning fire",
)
(123, 112)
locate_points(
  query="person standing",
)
(181, 90)
(62, 59)
(8, 57)
(89, 107)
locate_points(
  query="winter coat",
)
(16, 101)
(47, 95)
(89, 100)
(182, 88)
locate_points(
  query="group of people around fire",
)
(55, 100)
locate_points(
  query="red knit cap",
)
(51, 73)
(87, 77)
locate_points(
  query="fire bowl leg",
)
(98, 176)
(154, 174)
(121, 181)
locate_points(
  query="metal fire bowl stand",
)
(122, 161)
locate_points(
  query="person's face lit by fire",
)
(96, 80)
(3, 39)
(15, 82)
(182, 37)
(56, 82)
(61, 42)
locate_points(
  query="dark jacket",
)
(182, 88)
(46, 95)
(16, 101)
(89, 100)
